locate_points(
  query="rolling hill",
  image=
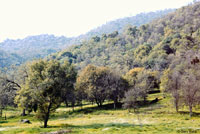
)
(151, 45)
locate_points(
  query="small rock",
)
(105, 129)
(25, 121)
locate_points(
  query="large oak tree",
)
(45, 85)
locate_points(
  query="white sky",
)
(21, 18)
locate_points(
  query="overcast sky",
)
(21, 18)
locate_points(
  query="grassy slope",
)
(156, 118)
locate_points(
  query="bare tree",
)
(8, 88)
(131, 98)
(183, 80)
(190, 89)
(173, 87)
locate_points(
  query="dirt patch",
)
(5, 128)
(58, 132)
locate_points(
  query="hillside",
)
(150, 45)
(40, 46)
(119, 24)
(7, 59)
(35, 46)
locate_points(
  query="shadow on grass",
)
(5, 121)
(96, 108)
(194, 114)
(111, 107)
(74, 128)
(98, 126)
(51, 126)
(91, 110)
(77, 105)
(20, 117)
(94, 126)
(100, 110)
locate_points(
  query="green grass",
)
(159, 118)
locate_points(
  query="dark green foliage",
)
(100, 83)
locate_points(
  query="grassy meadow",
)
(158, 118)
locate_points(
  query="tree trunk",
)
(1, 112)
(5, 117)
(177, 108)
(81, 105)
(45, 122)
(73, 106)
(176, 104)
(144, 99)
(24, 112)
(190, 107)
(47, 115)
(97, 102)
(176, 96)
(66, 103)
(115, 103)
(100, 104)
